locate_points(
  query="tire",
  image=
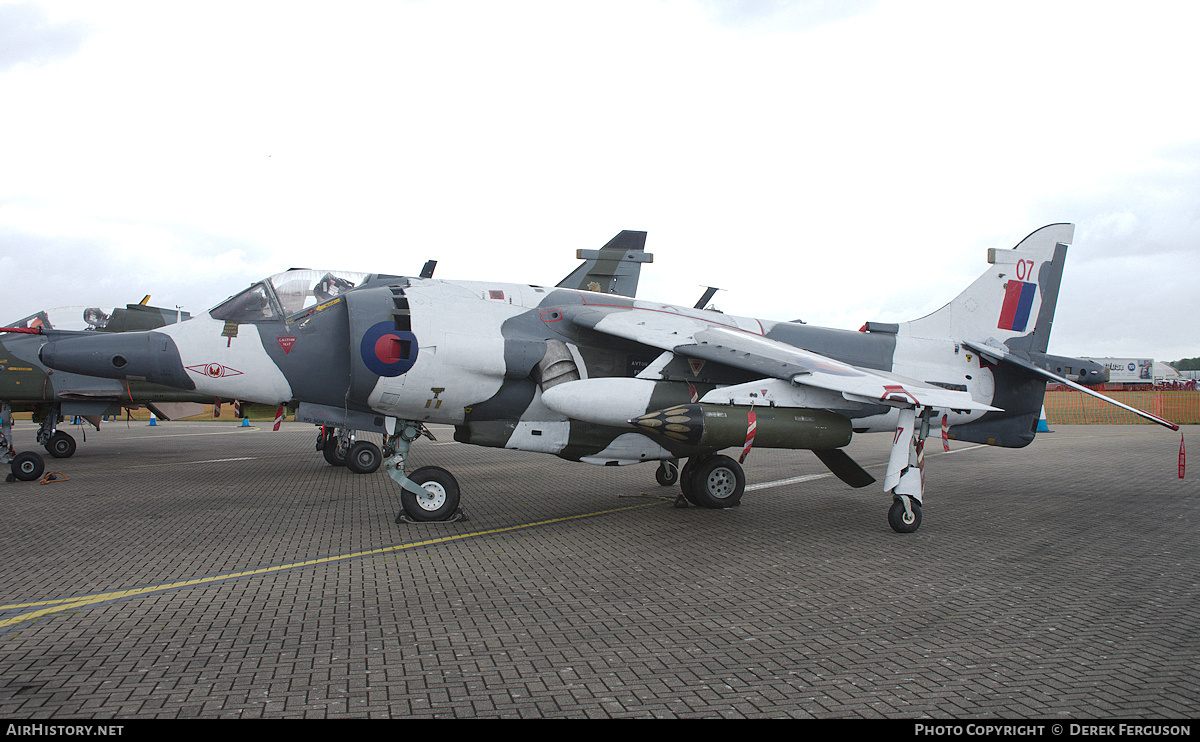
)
(667, 473)
(440, 500)
(364, 457)
(685, 481)
(717, 482)
(330, 452)
(61, 445)
(28, 466)
(899, 520)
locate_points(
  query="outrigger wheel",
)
(902, 519)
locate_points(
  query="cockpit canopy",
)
(285, 295)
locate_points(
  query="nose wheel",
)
(27, 466)
(438, 498)
(428, 494)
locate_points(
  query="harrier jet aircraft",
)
(611, 380)
(27, 385)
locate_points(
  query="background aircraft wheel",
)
(330, 452)
(364, 457)
(667, 473)
(61, 445)
(900, 521)
(28, 466)
(717, 482)
(440, 500)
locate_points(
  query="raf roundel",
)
(387, 351)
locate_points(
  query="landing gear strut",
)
(430, 493)
(905, 478)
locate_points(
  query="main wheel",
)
(331, 453)
(61, 445)
(900, 520)
(440, 499)
(717, 482)
(685, 481)
(27, 466)
(364, 457)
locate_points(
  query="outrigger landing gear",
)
(430, 493)
(905, 478)
(712, 481)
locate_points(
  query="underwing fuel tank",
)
(712, 426)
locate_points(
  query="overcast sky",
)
(831, 161)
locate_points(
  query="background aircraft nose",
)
(151, 356)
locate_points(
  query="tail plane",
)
(614, 268)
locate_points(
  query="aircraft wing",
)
(694, 337)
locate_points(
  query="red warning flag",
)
(751, 425)
(278, 417)
(1182, 456)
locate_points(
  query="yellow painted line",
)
(85, 601)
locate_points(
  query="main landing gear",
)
(339, 448)
(708, 481)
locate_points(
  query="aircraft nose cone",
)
(151, 356)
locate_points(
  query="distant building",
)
(1128, 370)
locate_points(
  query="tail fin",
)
(614, 268)
(1012, 304)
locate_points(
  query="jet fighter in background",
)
(27, 385)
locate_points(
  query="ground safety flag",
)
(751, 424)
(278, 417)
(1182, 456)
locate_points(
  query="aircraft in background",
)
(26, 385)
(612, 380)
